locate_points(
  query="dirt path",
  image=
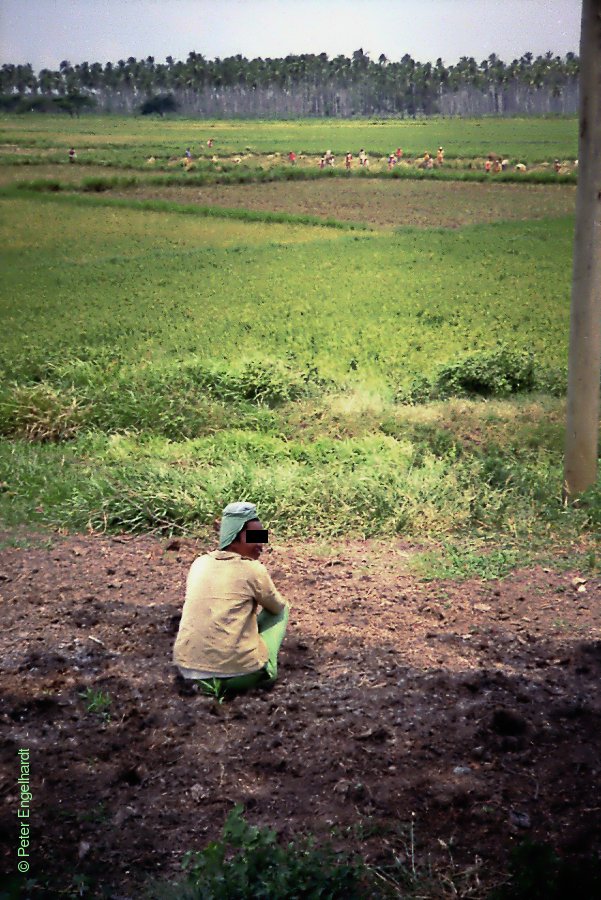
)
(475, 706)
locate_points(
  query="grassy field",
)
(529, 139)
(160, 356)
(144, 284)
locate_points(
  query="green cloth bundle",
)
(233, 519)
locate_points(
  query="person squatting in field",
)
(234, 620)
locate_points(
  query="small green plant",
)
(97, 702)
(213, 687)
(467, 561)
(497, 373)
(249, 862)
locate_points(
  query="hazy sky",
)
(44, 32)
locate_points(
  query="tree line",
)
(304, 85)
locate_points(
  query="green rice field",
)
(381, 354)
(529, 139)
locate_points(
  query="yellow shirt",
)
(218, 633)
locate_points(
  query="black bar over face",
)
(256, 536)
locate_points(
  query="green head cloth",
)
(233, 519)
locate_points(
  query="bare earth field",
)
(385, 204)
(472, 707)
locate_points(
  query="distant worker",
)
(557, 165)
(398, 154)
(440, 156)
(330, 158)
(188, 153)
(427, 162)
(210, 143)
(322, 162)
(520, 167)
(496, 166)
(487, 166)
(504, 164)
(362, 157)
(391, 161)
(72, 155)
(292, 157)
(348, 160)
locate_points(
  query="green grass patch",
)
(145, 287)
(154, 365)
(459, 561)
(426, 481)
(530, 139)
(177, 400)
(250, 862)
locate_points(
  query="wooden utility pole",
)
(584, 368)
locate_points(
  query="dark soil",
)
(471, 709)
